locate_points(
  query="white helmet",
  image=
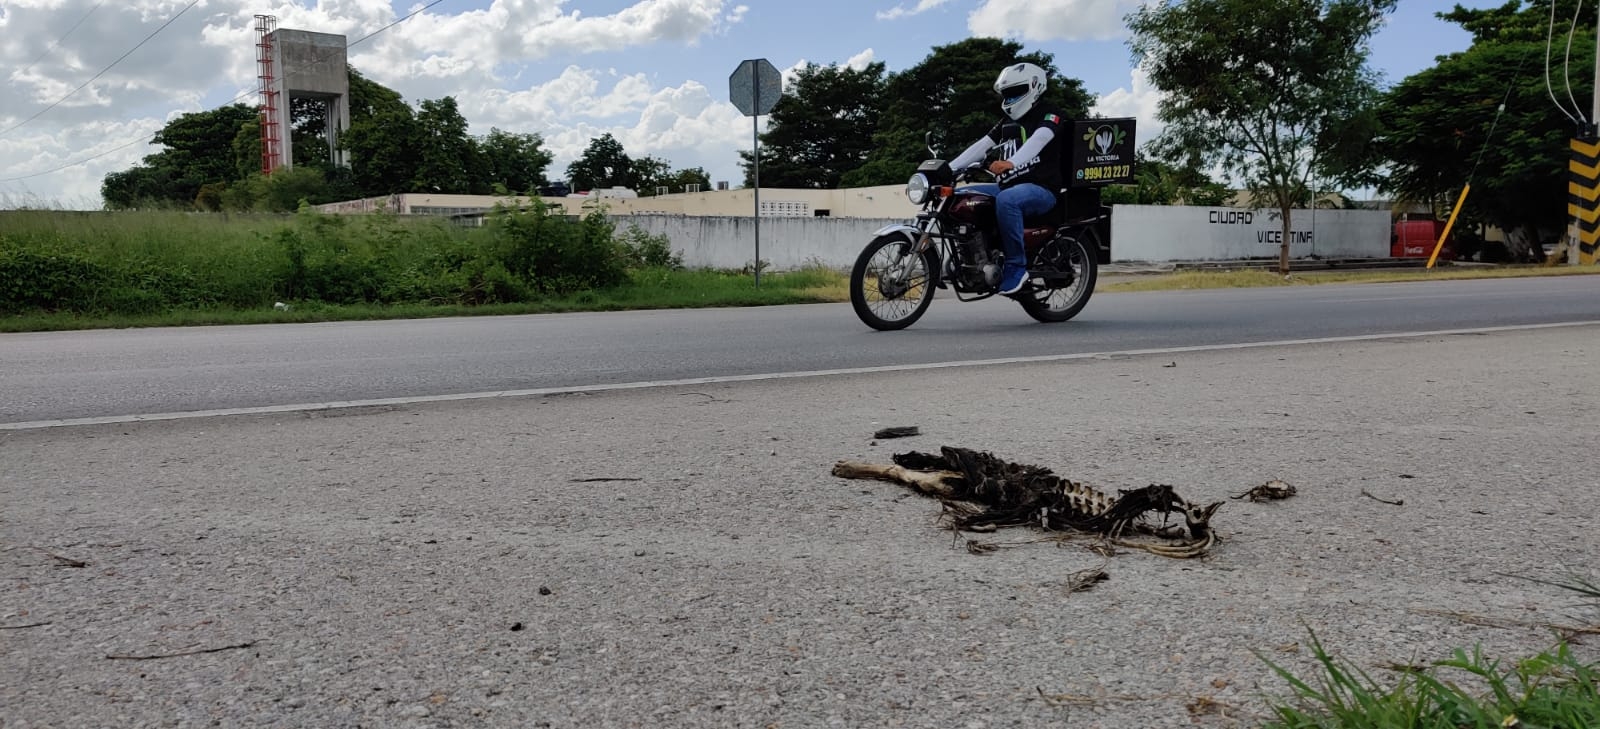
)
(1020, 87)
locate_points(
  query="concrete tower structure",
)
(299, 64)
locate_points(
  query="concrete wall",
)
(786, 243)
(1139, 233)
(1173, 233)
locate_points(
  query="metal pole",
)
(755, 136)
(1575, 255)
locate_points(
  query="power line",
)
(75, 164)
(102, 72)
(57, 43)
(230, 101)
(1549, 36)
(391, 25)
(1566, 63)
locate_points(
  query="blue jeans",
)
(1011, 205)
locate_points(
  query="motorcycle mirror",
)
(927, 138)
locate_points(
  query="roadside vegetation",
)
(61, 270)
(87, 270)
(1551, 690)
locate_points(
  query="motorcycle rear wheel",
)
(891, 287)
(1072, 253)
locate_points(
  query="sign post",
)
(755, 88)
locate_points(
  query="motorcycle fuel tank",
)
(972, 208)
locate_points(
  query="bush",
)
(552, 253)
(649, 251)
(47, 280)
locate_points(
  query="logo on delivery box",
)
(1102, 152)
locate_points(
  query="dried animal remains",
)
(981, 492)
(1271, 490)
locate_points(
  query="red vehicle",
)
(1416, 239)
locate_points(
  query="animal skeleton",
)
(981, 493)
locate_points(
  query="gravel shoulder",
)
(458, 565)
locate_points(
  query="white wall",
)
(1151, 233)
(786, 243)
(1176, 233)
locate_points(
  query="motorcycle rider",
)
(1028, 176)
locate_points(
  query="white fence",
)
(1147, 233)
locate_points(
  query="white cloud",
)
(1139, 100)
(1044, 20)
(681, 124)
(861, 60)
(901, 11)
(793, 72)
(207, 58)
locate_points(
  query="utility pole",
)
(1576, 255)
(1583, 178)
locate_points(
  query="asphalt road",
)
(73, 375)
(682, 556)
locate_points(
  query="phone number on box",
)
(1109, 172)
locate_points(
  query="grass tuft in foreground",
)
(1552, 690)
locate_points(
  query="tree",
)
(951, 94)
(603, 164)
(680, 180)
(1260, 86)
(197, 151)
(1515, 21)
(1163, 183)
(448, 159)
(517, 161)
(383, 151)
(309, 130)
(650, 173)
(1435, 128)
(821, 128)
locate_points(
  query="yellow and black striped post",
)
(1583, 197)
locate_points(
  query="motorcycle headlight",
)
(917, 189)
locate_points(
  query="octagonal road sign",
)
(755, 87)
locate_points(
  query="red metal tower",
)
(271, 141)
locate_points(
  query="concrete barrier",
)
(1158, 233)
(1139, 233)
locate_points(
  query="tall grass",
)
(143, 263)
(69, 270)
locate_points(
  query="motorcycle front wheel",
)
(890, 286)
(1069, 269)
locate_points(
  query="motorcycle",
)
(955, 244)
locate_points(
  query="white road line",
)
(392, 401)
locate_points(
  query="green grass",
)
(647, 289)
(1552, 690)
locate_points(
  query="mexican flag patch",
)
(1052, 118)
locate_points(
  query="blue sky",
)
(654, 73)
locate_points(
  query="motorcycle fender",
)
(910, 230)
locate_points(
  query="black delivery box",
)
(1101, 152)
